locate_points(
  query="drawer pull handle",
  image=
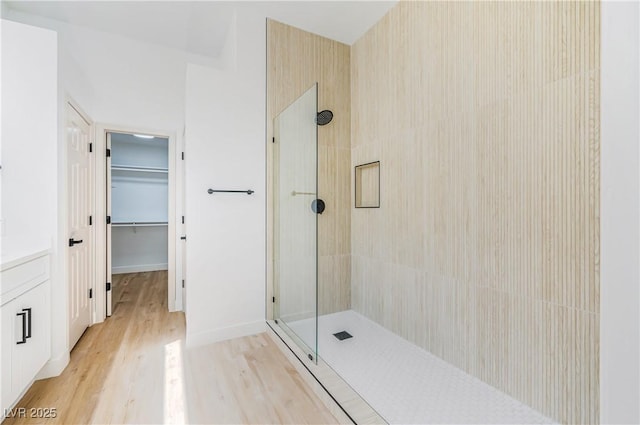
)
(28, 311)
(24, 327)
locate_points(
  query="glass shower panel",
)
(295, 222)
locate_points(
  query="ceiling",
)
(201, 27)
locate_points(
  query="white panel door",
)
(80, 198)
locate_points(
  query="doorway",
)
(141, 212)
(137, 206)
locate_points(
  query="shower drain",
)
(343, 335)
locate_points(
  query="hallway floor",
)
(134, 368)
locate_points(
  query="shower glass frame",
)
(295, 224)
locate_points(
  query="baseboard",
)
(54, 367)
(139, 268)
(222, 334)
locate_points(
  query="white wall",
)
(30, 207)
(118, 80)
(29, 129)
(620, 214)
(225, 136)
(139, 249)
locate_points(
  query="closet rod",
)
(139, 169)
(248, 192)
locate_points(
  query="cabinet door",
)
(30, 357)
(19, 343)
(42, 329)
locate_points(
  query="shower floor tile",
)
(404, 383)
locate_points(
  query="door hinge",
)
(90, 147)
(273, 140)
(182, 219)
(183, 156)
(108, 285)
(108, 219)
(273, 299)
(90, 220)
(108, 153)
(90, 292)
(183, 283)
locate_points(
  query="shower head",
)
(324, 117)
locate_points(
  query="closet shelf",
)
(139, 169)
(140, 224)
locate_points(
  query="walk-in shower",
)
(401, 381)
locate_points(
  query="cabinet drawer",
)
(22, 277)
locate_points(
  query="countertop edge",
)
(9, 264)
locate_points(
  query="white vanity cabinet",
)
(26, 324)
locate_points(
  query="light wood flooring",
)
(134, 368)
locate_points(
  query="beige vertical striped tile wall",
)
(485, 251)
(296, 60)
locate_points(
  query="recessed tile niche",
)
(368, 185)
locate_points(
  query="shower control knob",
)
(317, 206)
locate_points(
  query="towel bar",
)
(248, 192)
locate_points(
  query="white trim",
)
(223, 334)
(54, 367)
(172, 235)
(138, 268)
(100, 184)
